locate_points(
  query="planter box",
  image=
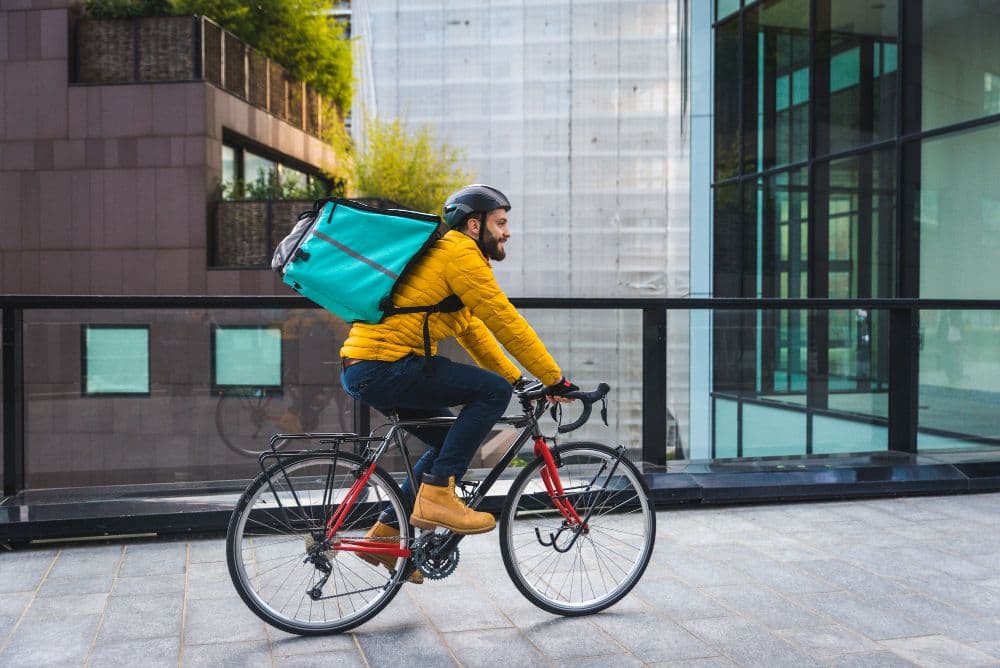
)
(106, 50)
(247, 232)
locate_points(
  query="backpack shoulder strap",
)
(449, 304)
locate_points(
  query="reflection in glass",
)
(959, 380)
(961, 61)
(959, 215)
(861, 41)
(724, 8)
(727, 110)
(794, 408)
(775, 84)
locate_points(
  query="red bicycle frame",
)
(358, 545)
(553, 485)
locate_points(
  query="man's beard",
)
(491, 245)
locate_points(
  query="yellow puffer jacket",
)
(454, 265)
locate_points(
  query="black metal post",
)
(362, 418)
(904, 375)
(654, 385)
(13, 402)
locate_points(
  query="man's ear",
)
(473, 227)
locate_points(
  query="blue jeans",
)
(415, 392)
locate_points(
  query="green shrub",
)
(411, 168)
(296, 33)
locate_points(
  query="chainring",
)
(433, 567)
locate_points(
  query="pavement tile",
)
(62, 641)
(972, 596)
(858, 581)
(85, 562)
(154, 559)
(217, 620)
(763, 605)
(455, 608)
(870, 660)
(145, 585)
(939, 618)
(94, 584)
(567, 637)
(21, 575)
(209, 580)
(207, 550)
(289, 644)
(150, 653)
(939, 652)
(616, 660)
(677, 600)
(54, 607)
(420, 646)
(134, 617)
(653, 638)
(709, 662)
(493, 647)
(828, 641)
(748, 644)
(862, 616)
(11, 607)
(329, 659)
(785, 577)
(242, 654)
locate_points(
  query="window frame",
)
(85, 390)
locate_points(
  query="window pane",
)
(861, 40)
(259, 174)
(959, 215)
(860, 205)
(724, 8)
(228, 165)
(727, 112)
(961, 60)
(247, 357)
(959, 380)
(775, 84)
(116, 360)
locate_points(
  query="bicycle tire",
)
(285, 508)
(621, 514)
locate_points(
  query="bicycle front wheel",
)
(272, 538)
(578, 570)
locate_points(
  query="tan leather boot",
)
(438, 506)
(388, 534)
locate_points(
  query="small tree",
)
(411, 168)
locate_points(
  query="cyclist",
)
(386, 367)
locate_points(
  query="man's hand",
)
(558, 391)
(522, 384)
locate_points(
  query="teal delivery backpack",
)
(347, 257)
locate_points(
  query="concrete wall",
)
(107, 189)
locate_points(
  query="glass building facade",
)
(854, 156)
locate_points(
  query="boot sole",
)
(424, 524)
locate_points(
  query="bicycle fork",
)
(553, 485)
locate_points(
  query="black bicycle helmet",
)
(473, 199)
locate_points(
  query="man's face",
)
(495, 234)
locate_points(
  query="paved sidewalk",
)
(889, 582)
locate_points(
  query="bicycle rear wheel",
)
(578, 573)
(283, 515)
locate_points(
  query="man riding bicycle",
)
(386, 365)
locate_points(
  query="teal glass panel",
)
(959, 214)
(248, 357)
(724, 8)
(959, 380)
(116, 360)
(959, 50)
(725, 428)
(775, 84)
(845, 69)
(836, 436)
(860, 39)
(770, 431)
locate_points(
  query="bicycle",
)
(576, 529)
